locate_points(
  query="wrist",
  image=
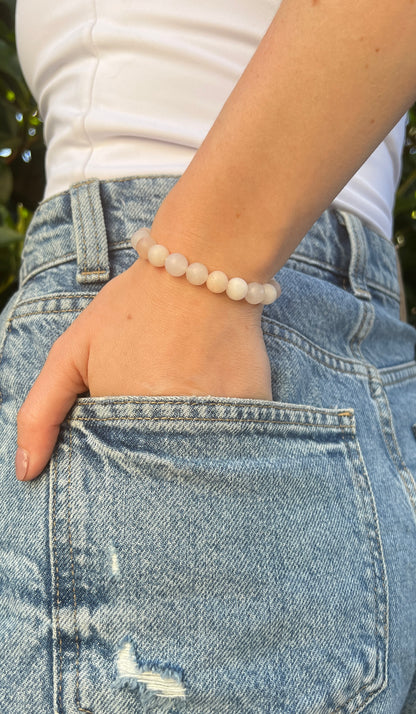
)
(188, 223)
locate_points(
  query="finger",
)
(44, 409)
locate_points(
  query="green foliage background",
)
(22, 177)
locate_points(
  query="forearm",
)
(326, 84)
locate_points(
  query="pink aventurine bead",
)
(277, 286)
(157, 255)
(176, 264)
(255, 293)
(144, 245)
(272, 291)
(197, 273)
(237, 288)
(217, 281)
(139, 235)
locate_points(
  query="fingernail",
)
(22, 463)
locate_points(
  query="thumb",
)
(45, 407)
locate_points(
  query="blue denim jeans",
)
(199, 555)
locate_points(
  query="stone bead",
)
(157, 255)
(255, 293)
(237, 289)
(197, 273)
(272, 292)
(176, 264)
(277, 286)
(217, 281)
(143, 246)
(141, 234)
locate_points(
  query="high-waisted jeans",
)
(200, 555)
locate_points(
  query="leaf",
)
(24, 216)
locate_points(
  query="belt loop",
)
(90, 233)
(358, 261)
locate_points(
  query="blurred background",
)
(22, 176)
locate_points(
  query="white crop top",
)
(131, 88)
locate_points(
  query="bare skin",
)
(345, 71)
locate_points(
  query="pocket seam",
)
(217, 419)
(207, 409)
(44, 312)
(54, 296)
(381, 599)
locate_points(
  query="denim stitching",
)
(393, 381)
(382, 289)
(401, 373)
(358, 265)
(58, 599)
(363, 329)
(57, 296)
(385, 590)
(93, 272)
(398, 367)
(270, 405)
(378, 545)
(47, 312)
(96, 231)
(358, 230)
(84, 271)
(236, 420)
(82, 231)
(291, 407)
(73, 575)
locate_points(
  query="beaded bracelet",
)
(197, 274)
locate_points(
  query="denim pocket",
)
(213, 555)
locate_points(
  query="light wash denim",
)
(199, 555)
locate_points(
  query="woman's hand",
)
(145, 333)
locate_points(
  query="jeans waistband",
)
(94, 218)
